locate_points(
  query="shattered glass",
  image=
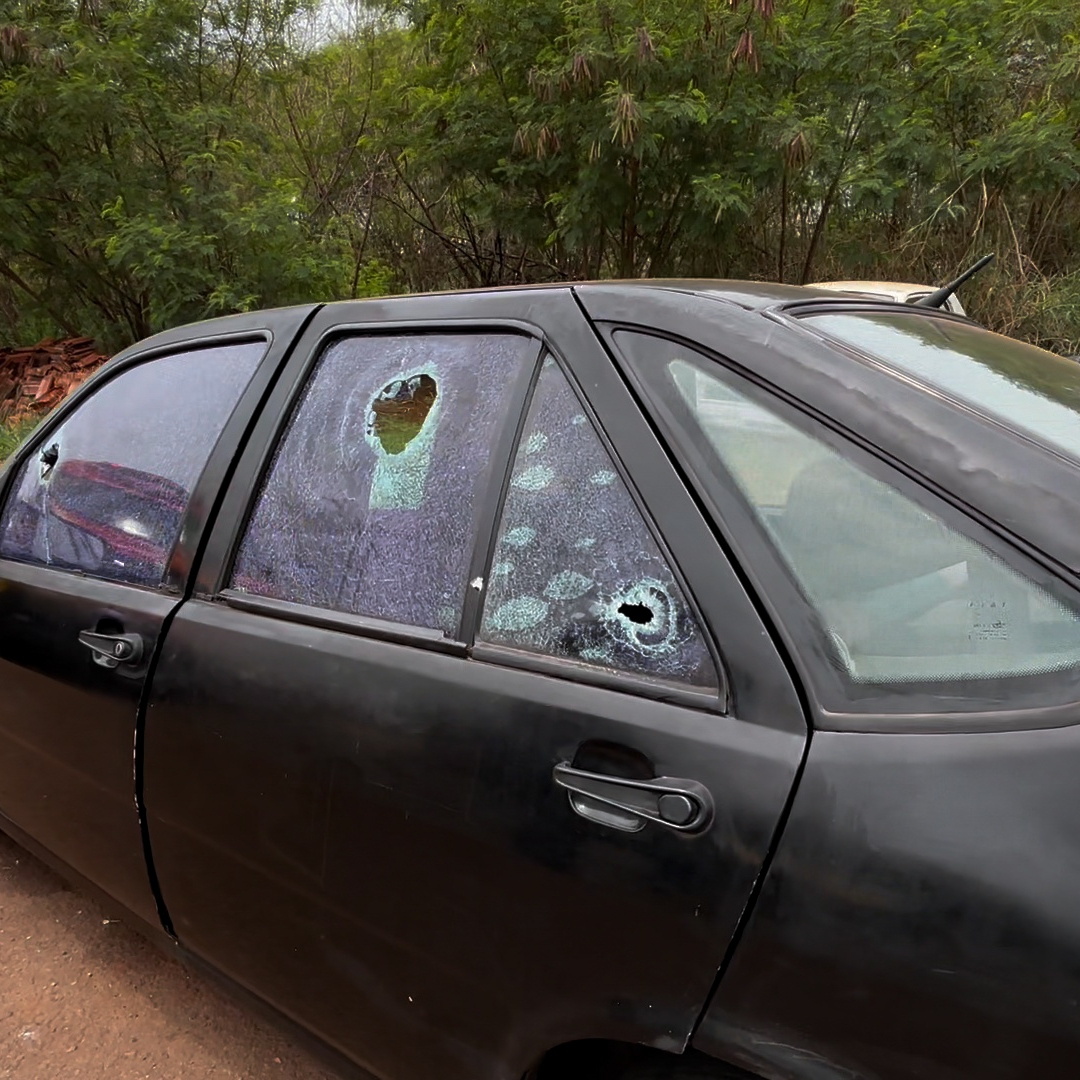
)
(369, 506)
(577, 573)
(107, 491)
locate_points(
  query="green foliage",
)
(11, 435)
(134, 187)
(166, 160)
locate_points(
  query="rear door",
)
(470, 742)
(102, 515)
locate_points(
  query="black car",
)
(672, 679)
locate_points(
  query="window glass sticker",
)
(903, 596)
(576, 572)
(107, 492)
(369, 505)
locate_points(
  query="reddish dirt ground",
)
(82, 995)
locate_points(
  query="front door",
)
(97, 530)
(470, 743)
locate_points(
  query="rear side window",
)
(903, 596)
(1026, 388)
(370, 504)
(577, 574)
(106, 492)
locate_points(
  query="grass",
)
(11, 434)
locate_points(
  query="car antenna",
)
(937, 298)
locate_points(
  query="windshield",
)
(1026, 388)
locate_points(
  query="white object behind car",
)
(902, 292)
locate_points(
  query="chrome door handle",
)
(111, 650)
(682, 805)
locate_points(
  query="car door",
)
(469, 743)
(103, 513)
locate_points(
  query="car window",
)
(1027, 388)
(105, 493)
(902, 595)
(370, 504)
(576, 572)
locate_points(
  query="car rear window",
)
(903, 596)
(1023, 387)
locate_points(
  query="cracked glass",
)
(577, 573)
(370, 504)
(106, 492)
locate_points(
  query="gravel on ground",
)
(83, 995)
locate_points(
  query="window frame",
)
(711, 699)
(277, 420)
(197, 513)
(841, 703)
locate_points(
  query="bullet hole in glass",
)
(51, 456)
(399, 410)
(588, 583)
(636, 613)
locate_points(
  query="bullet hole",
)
(399, 410)
(643, 616)
(636, 613)
(48, 459)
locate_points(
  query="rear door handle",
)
(682, 805)
(111, 650)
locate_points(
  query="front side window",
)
(576, 573)
(1026, 388)
(902, 595)
(370, 504)
(106, 492)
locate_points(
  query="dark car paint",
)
(918, 917)
(995, 474)
(388, 816)
(67, 726)
(921, 916)
(69, 729)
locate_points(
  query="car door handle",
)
(683, 805)
(111, 650)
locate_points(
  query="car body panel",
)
(381, 807)
(920, 917)
(69, 727)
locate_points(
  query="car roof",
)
(799, 362)
(752, 295)
(748, 295)
(900, 291)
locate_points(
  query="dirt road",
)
(82, 995)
